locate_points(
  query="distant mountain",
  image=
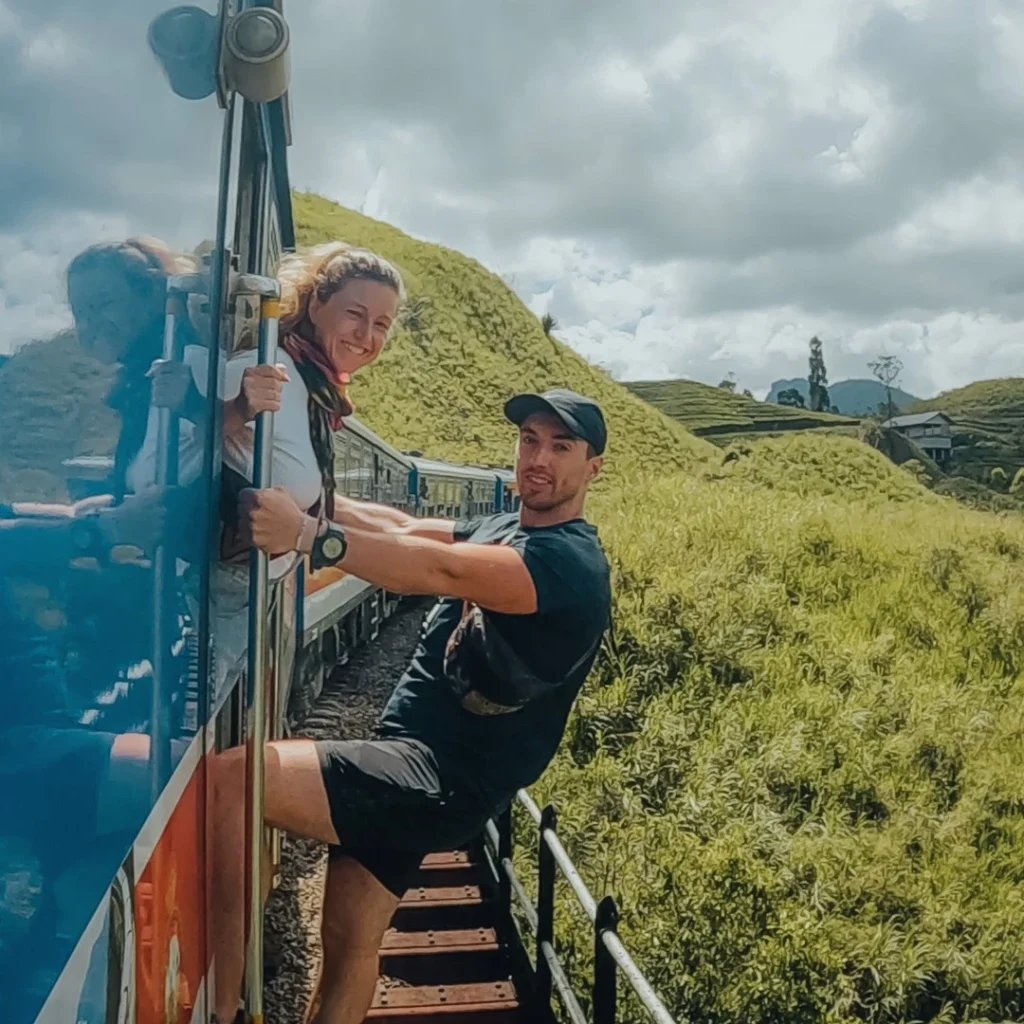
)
(850, 397)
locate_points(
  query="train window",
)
(340, 462)
(368, 478)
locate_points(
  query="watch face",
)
(332, 548)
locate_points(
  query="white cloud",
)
(688, 188)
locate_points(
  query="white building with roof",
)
(932, 432)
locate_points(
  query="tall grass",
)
(799, 764)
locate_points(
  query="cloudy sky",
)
(690, 189)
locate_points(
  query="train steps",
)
(443, 960)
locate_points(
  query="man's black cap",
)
(580, 414)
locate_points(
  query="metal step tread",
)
(442, 959)
(425, 1000)
(456, 940)
(443, 896)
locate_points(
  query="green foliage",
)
(799, 763)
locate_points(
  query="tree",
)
(549, 323)
(818, 378)
(747, 393)
(729, 384)
(792, 397)
(887, 370)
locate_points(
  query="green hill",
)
(468, 343)
(989, 425)
(721, 415)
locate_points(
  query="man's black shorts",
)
(391, 804)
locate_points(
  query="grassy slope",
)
(809, 721)
(470, 343)
(989, 430)
(714, 412)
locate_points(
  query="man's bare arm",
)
(370, 518)
(494, 577)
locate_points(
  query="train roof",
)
(436, 467)
(362, 430)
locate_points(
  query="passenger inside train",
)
(524, 601)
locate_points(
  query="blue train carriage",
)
(506, 491)
(147, 242)
(451, 491)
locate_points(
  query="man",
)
(461, 733)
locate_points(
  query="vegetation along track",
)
(348, 708)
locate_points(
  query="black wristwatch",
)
(329, 545)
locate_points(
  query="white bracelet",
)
(307, 534)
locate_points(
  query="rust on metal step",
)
(480, 940)
(409, 1000)
(451, 859)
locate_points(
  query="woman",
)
(338, 307)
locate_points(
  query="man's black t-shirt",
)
(498, 754)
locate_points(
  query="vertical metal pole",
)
(605, 980)
(259, 581)
(275, 689)
(545, 902)
(505, 862)
(164, 608)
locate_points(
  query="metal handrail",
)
(610, 954)
(259, 593)
(168, 432)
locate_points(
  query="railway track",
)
(446, 956)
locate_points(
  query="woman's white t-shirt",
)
(294, 463)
